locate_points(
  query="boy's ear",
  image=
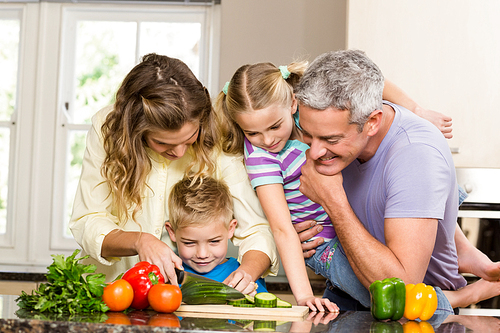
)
(171, 232)
(232, 226)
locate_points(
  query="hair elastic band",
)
(224, 90)
(285, 73)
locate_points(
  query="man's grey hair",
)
(345, 80)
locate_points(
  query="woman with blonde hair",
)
(161, 127)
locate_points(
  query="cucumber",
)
(205, 292)
(283, 304)
(266, 300)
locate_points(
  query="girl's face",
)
(269, 128)
(173, 144)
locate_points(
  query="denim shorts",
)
(331, 262)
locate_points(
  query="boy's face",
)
(202, 247)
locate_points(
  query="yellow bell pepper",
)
(417, 327)
(421, 301)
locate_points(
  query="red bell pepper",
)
(142, 277)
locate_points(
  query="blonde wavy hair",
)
(159, 94)
(253, 87)
(199, 201)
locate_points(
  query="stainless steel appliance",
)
(479, 215)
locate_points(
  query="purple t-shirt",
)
(411, 175)
(264, 167)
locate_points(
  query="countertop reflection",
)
(13, 319)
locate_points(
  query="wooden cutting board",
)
(226, 311)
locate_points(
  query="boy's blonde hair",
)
(253, 87)
(199, 200)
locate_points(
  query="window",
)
(83, 53)
(10, 23)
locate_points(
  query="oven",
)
(479, 215)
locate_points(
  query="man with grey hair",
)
(385, 177)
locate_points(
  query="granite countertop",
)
(13, 319)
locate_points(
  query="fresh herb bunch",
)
(67, 289)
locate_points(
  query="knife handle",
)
(180, 275)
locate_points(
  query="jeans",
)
(344, 288)
(330, 261)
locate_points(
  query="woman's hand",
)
(441, 121)
(153, 250)
(306, 230)
(318, 304)
(242, 281)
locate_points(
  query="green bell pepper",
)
(386, 327)
(388, 299)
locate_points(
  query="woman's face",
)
(173, 144)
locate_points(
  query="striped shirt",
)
(264, 167)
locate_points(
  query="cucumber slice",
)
(266, 300)
(237, 301)
(245, 305)
(283, 304)
(250, 299)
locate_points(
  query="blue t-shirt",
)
(222, 271)
(411, 175)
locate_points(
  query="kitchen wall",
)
(278, 31)
(446, 55)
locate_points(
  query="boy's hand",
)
(241, 280)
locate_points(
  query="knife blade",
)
(204, 288)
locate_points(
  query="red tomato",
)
(165, 320)
(118, 295)
(165, 297)
(117, 318)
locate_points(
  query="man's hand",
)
(306, 230)
(320, 188)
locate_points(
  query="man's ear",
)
(231, 227)
(374, 122)
(170, 231)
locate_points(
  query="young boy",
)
(201, 223)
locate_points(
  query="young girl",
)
(161, 126)
(260, 118)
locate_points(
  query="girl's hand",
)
(318, 304)
(242, 281)
(153, 250)
(441, 121)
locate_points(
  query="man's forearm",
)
(370, 259)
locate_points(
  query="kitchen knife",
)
(197, 289)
